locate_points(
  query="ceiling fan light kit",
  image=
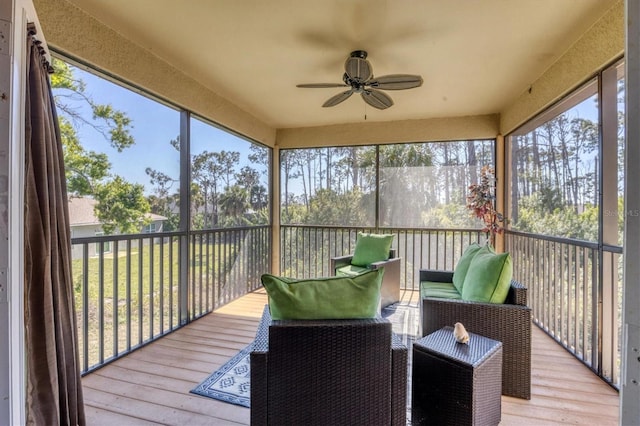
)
(358, 76)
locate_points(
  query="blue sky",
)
(153, 126)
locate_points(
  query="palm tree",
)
(234, 203)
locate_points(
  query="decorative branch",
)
(481, 202)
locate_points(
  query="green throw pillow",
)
(463, 266)
(324, 298)
(371, 248)
(488, 277)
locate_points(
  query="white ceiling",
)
(475, 56)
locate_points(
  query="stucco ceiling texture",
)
(476, 57)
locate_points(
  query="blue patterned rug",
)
(230, 383)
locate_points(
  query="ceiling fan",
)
(358, 76)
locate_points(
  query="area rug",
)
(230, 383)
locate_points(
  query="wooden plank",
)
(177, 357)
(228, 347)
(99, 416)
(155, 379)
(212, 340)
(154, 412)
(148, 399)
(208, 354)
(591, 407)
(537, 414)
(604, 397)
(221, 325)
(195, 376)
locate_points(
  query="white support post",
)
(609, 215)
(275, 209)
(630, 389)
(6, 21)
(13, 17)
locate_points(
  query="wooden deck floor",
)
(152, 384)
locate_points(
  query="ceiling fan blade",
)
(377, 99)
(358, 69)
(396, 82)
(320, 85)
(335, 100)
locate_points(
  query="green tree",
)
(536, 217)
(113, 125)
(162, 201)
(121, 207)
(249, 178)
(88, 172)
(234, 203)
(330, 208)
(206, 172)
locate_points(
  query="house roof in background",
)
(82, 212)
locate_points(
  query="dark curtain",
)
(54, 392)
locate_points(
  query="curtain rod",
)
(32, 31)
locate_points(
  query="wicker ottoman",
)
(454, 383)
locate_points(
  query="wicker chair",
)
(509, 323)
(321, 372)
(390, 289)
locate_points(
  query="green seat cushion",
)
(463, 265)
(371, 248)
(438, 289)
(351, 270)
(489, 277)
(323, 298)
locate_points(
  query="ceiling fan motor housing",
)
(357, 67)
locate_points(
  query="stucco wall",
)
(436, 129)
(602, 44)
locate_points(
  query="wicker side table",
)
(454, 383)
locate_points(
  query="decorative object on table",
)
(481, 201)
(373, 251)
(460, 333)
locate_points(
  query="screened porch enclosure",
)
(564, 240)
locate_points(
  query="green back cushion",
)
(323, 298)
(463, 265)
(488, 277)
(371, 248)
